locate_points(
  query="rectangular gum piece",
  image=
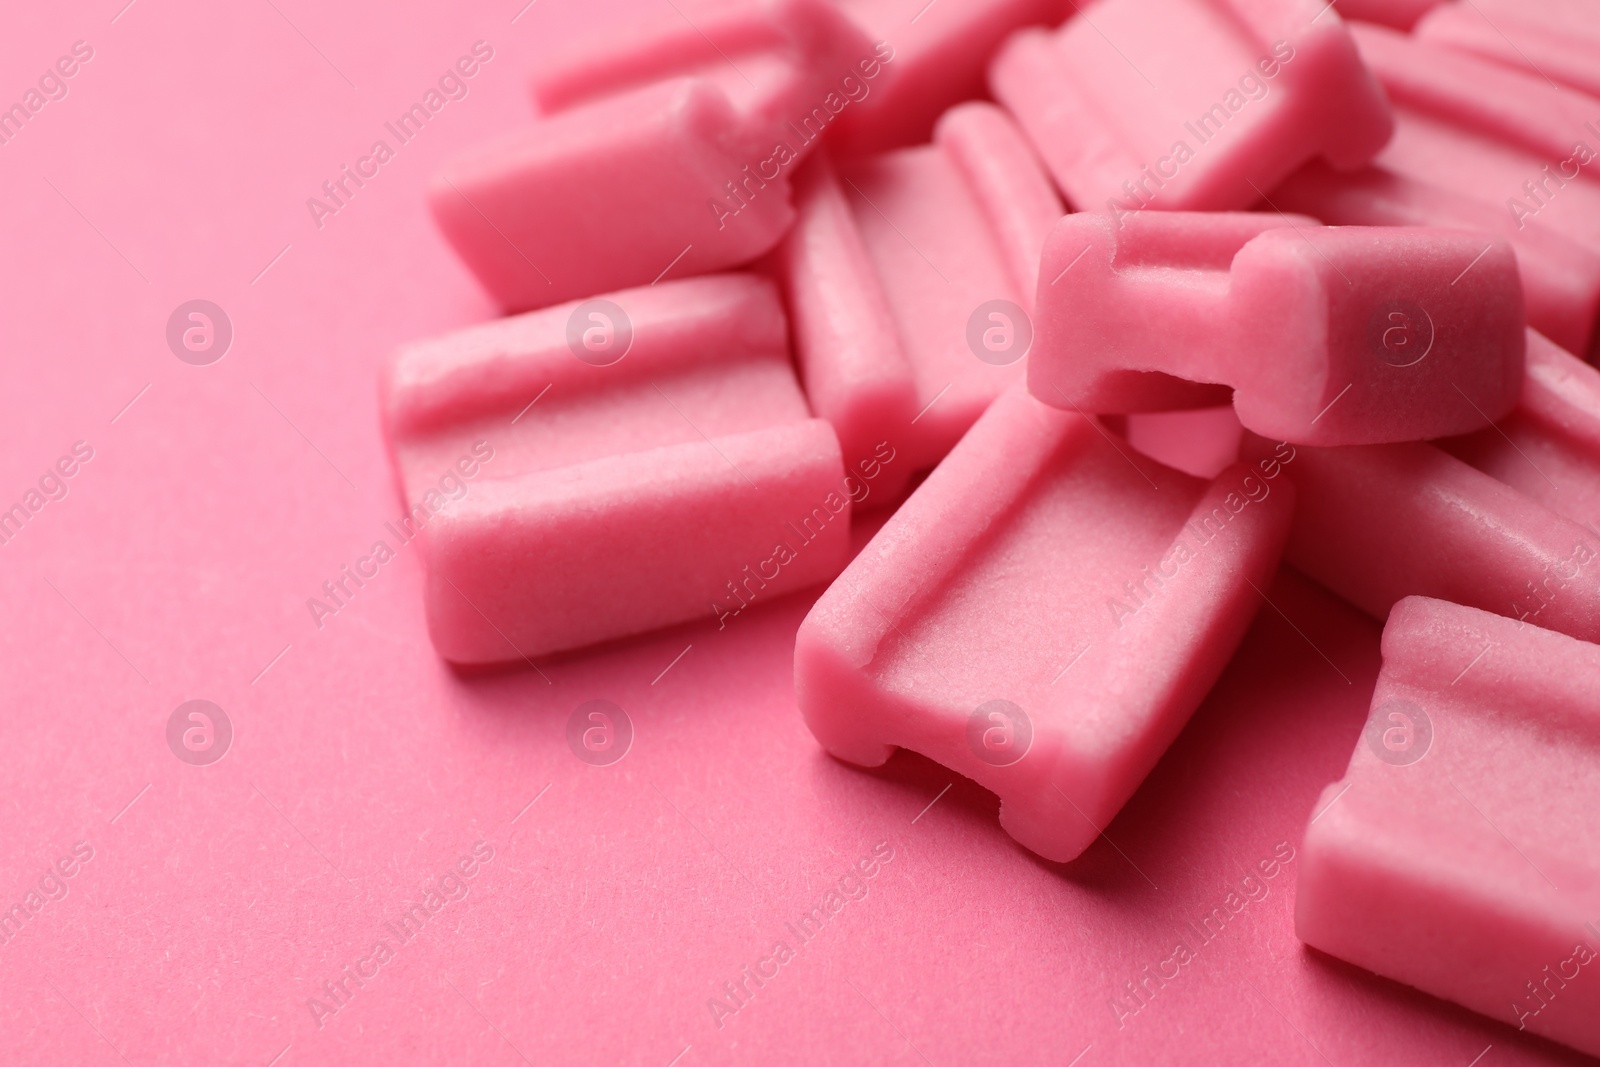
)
(1190, 105)
(1458, 853)
(1558, 39)
(646, 482)
(1478, 146)
(1042, 615)
(940, 53)
(717, 113)
(1517, 537)
(892, 260)
(1327, 335)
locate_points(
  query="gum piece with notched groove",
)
(1042, 615)
(1558, 39)
(1516, 537)
(1327, 335)
(617, 498)
(1190, 105)
(910, 275)
(1458, 853)
(940, 52)
(1483, 147)
(663, 149)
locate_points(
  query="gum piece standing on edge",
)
(663, 149)
(910, 276)
(1328, 335)
(1400, 14)
(939, 56)
(1483, 147)
(1458, 853)
(640, 460)
(1558, 39)
(1042, 615)
(1190, 105)
(1379, 523)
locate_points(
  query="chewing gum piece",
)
(1556, 39)
(1042, 615)
(939, 56)
(910, 277)
(663, 150)
(1190, 105)
(1458, 853)
(648, 453)
(1517, 537)
(1327, 335)
(1400, 14)
(1479, 146)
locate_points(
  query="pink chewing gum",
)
(641, 460)
(1401, 14)
(1458, 854)
(940, 54)
(664, 147)
(1479, 146)
(1548, 448)
(1558, 39)
(910, 276)
(1327, 335)
(1190, 105)
(1042, 615)
(1516, 537)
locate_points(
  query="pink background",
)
(223, 897)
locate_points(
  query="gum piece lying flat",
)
(653, 489)
(939, 56)
(1199, 441)
(1327, 335)
(1401, 14)
(665, 148)
(1548, 448)
(1190, 105)
(1379, 523)
(1458, 853)
(1042, 615)
(1558, 39)
(1479, 146)
(910, 276)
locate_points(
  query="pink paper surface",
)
(619, 899)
